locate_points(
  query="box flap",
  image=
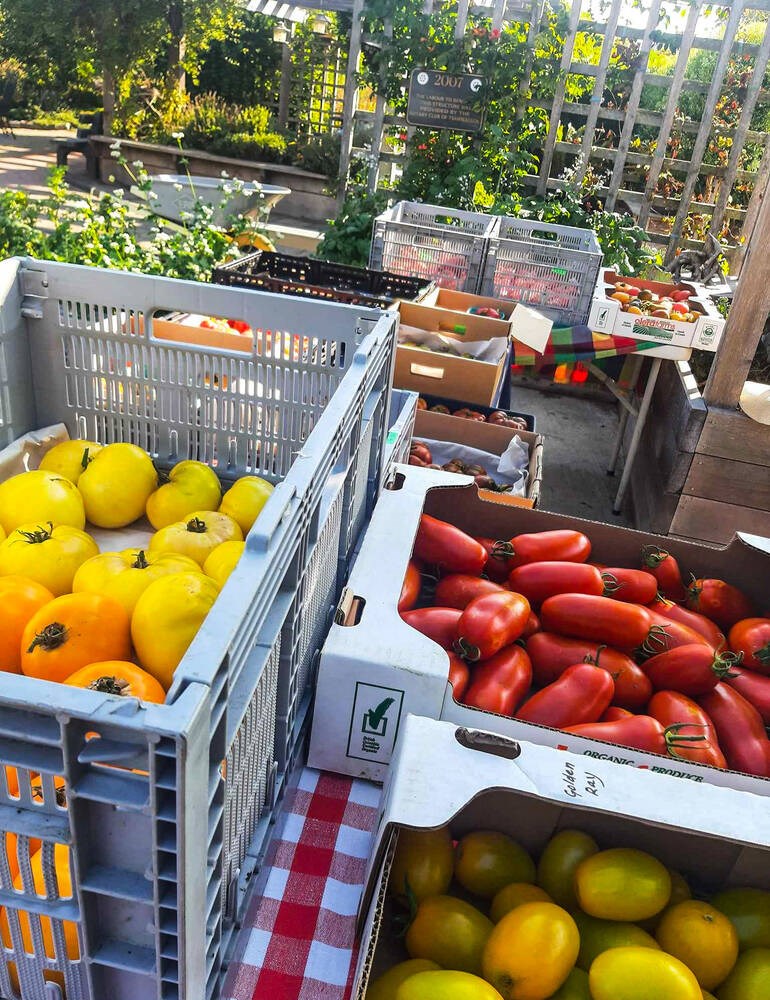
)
(530, 327)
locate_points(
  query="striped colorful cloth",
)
(568, 344)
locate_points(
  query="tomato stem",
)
(197, 525)
(141, 561)
(39, 536)
(611, 584)
(503, 550)
(110, 685)
(85, 459)
(652, 556)
(467, 650)
(52, 636)
(763, 654)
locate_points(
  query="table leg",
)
(638, 360)
(641, 419)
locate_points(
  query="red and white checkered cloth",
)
(299, 934)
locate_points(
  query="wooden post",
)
(757, 197)
(749, 310)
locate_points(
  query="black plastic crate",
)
(319, 279)
(454, 404)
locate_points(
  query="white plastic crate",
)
(165, 813)
(403, 410)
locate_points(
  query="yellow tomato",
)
(48, 555)
(191, 486)
(749, 911)
(386, 986)
(574, 987)
(124, 576)
(70, 458)
(486, 861)
(40, 496)
(559, 861)
(198, 536)
(449, 932)
(223, 560)
(707, 995)
(750, 978)
(641, 974)
(597, 936)
(516, 894)
(446, 986)
(166, 619)
(531, 951)
(245, 499)
(701, 937)
(2, 533)
(422, 865)
(117, 484)
(622, 884)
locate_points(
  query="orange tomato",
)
(118, 677)
(72, 631)
(20, 598)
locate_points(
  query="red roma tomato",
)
(459, 676)
(667, 634)
(551, 546)
(501, 683)
(691, 670)
(719, 601)
(754, 687)
(499, 556)
(539, 580)
(640, 732)
(673, 710)
(752, 638)
(532, 626)
(441, 544)
(665, 569)
(457, 590)
(698, 623)
(582, 694)
(614, 713)
(489, 623)
(410, 588)
(439, 624)
(599, 618)
(740, 730)
(632, 585)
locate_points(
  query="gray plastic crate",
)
(445, 245)
(554, 268)
(166, 812)
(403, 409)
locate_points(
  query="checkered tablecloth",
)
(297, 942)
(568, 344)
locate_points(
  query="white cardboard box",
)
(716, 837)
(375, 669)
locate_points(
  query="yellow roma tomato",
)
(48, 554)
(191, 486)
(641, 974)
(118, 677)
(117, 484)
(124, 576)
(2, 533)
(166, 619)
(446, 986)
(749, 911)
(422, 865)
(701, 937)
(597, 936)
(72, 631)
(559, 861)
(707, 995)
(40, 496)
(70, 458)
(386, 986)
(223, 560)
(531, 951)
(750, 978)
(20, 598)
(574, 987)
(245, 499)
(622, 884)
(198, 536)
(449, 932)
(516, 894)
(486, 861)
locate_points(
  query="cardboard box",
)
(464, 379)
(447, 298)
(371, 656)
(186, 328)
(716, 837)
(491, 438)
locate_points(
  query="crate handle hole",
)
(218, 332)
(498, 746)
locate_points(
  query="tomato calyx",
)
(403, 921)
(694, 591)
(763, 654)
(467, 650)
(52, 636)
(141, 561)
(86, 459)
(652, 556)
(61, 794)
(197, 526)
(503, 550)
(38, 537)
(673, 737)
(656, 642)
(110, 685)
(611, 584)
(724, 662)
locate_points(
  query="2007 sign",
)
(441, 100)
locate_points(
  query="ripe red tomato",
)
(410, 588)
(665, 569)
(501, 683)
(740, 730)
(719, 601)
(581, 694)
(499, 556)
(459, 675)
(457, 590)
(691, 670)
(754, 687)
(639, 732)
(562, 545)
(697, 622)
(751, 636)
(632, 585)
(614, 712)
(540, 580)
(439, 624)
(489, 623)
(599, 618)
(445, 546)
(532, 626)
(673, 710)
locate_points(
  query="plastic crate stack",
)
(166, 813)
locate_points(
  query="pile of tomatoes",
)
(484, 921)
(645, 302)
(631, 656)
